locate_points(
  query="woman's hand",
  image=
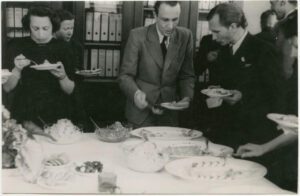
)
(21, 61)
(59, 72)
(251, 150)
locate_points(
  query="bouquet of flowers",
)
(13, 135)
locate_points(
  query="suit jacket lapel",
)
(153, 45)
(172, 51)
(243, 47)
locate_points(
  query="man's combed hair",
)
(41, 11)
(229, 13)
(158, 3)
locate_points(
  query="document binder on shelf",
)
(94, 59)
(101, 62)
(112, 27)
(96, 24)
(109, 63)
(119, 27)
(89, 26)
(116, 63)
(104, 27)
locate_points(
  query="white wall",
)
(253, 9)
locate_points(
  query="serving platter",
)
(184, 149)
(166, 133)
(216, 92)
(209, 168)
(284, 120)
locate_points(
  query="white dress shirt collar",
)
(236, 46)
(161, 37)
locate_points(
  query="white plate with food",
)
(5, 73)
(89, 73)
(166, 133)
(88, 168)
(284, 120)
(210, 168)
(46, 66)
(174, 105)
(64, 131)
(216, 92)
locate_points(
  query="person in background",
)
(205, 59)
(248, 67)
(284, 170)
(284, 9)
(65, 33)
(268, 20)
(41, 96)
(157, 67)
(206, 56)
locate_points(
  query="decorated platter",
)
(210, 168)
(184, 149)
(166, 133)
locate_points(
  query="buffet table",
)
(89, 148)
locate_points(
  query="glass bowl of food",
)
(115, 132)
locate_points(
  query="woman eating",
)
(41, 96)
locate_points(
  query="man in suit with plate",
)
(157, 67)
(249, 67)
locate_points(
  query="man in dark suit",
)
(249, 67)
(285, 9)
(157, 67)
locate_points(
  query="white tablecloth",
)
(89, 148)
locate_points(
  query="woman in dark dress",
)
(41, 96)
